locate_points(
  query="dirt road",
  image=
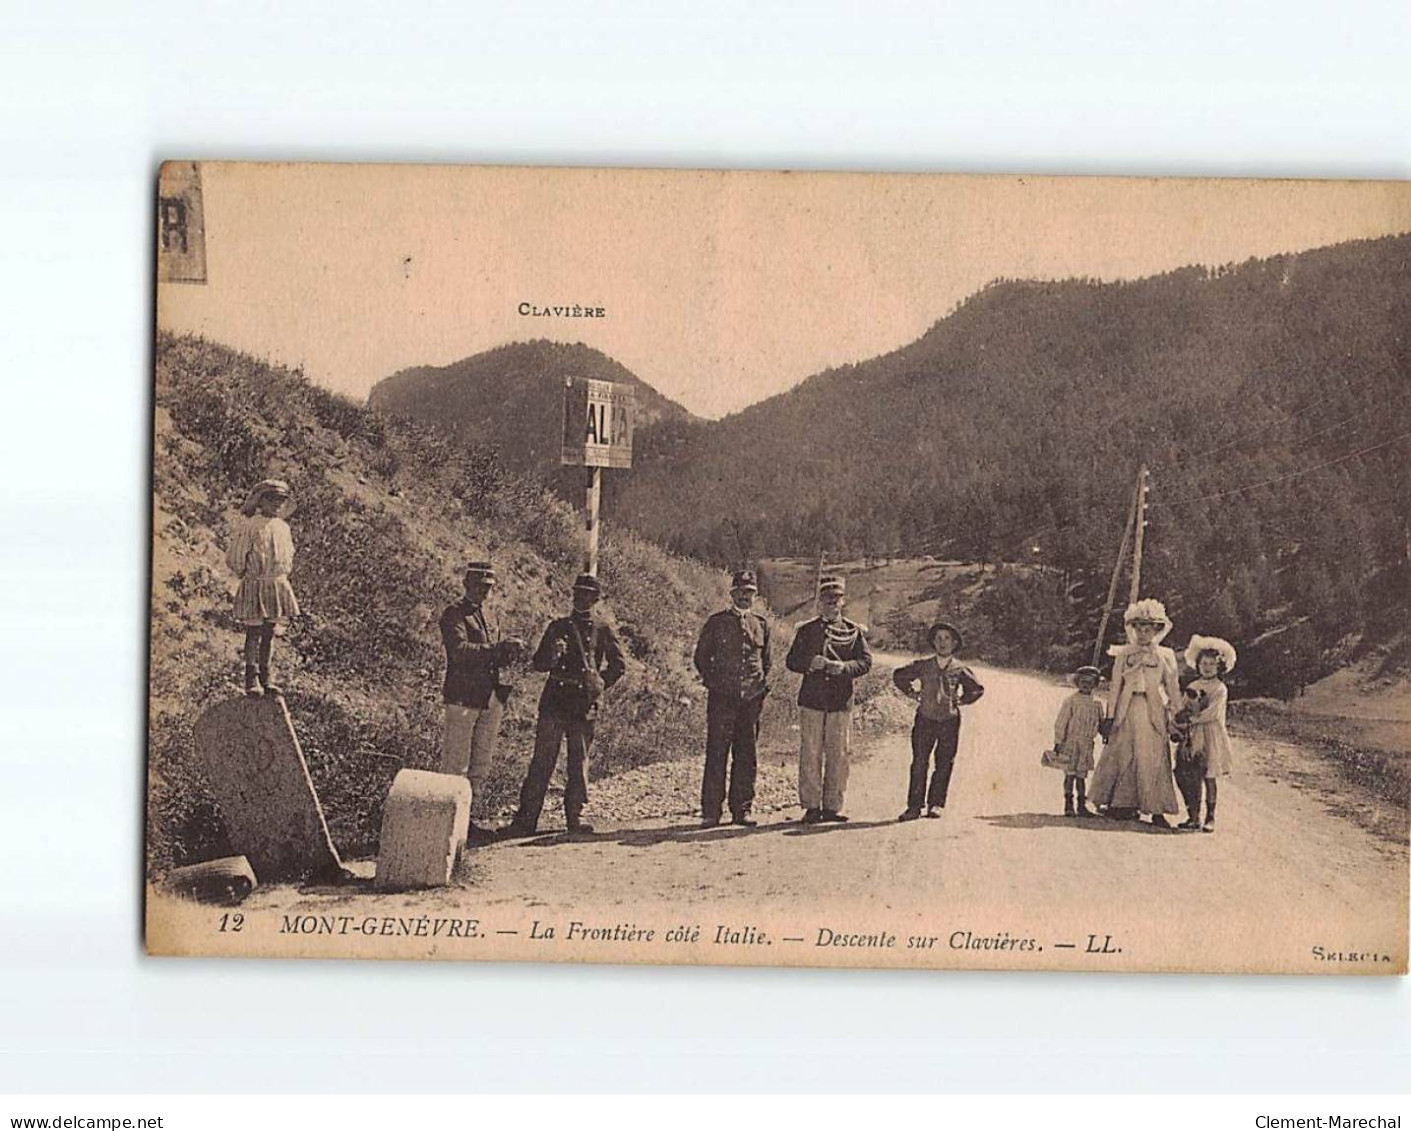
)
(1282, 876)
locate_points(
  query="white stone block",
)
(424, 823)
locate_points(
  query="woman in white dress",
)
(1134, 774)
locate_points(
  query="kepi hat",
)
(481, 571)
(587, 583)
(1222, 648)
(833, 583)
(268, 487)
(744, 579)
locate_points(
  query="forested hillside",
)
(1272, 401)
(510, 400)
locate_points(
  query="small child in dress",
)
(1190, 765)
(1074, 731)
(1211, 658)
(261, 555)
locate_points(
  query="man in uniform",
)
(830, 652)
(583, 659)
(732, 656)
(474, 692)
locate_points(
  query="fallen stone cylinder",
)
(225, 881)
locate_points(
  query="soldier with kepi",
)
(733, 659)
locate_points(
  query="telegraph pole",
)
(1143, 486)
(1116, 574)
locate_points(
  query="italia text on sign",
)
(598, 420)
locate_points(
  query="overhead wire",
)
(1162, 503)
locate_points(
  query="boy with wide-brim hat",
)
(583, 659)
(830, 652)
(475, 690)
(941, 685)
(733, 658)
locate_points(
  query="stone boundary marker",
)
(424, 822)
(260, 780)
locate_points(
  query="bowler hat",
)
(744, 579)
(1087, 669)
(587, 583)
(956, 634)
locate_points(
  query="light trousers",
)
(468, 744)
(823, 758)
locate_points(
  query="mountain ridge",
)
(509, 399)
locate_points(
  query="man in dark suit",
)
(583, 659)
(732, 657)
(474, 691)
(830, 652)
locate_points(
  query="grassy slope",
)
(388, 514)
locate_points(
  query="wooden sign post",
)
(598, 422)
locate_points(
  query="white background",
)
(92, 96)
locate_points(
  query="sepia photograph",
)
(780, 569)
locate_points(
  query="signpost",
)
(598, 421)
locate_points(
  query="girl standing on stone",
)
(1134, 774)
(261, 555)
(1211, 658)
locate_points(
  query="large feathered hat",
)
(1222, 648)
(1148, 609)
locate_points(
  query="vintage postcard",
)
(910, 571)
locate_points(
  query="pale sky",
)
(719, 289)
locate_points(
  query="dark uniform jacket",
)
(945, 688)
(472, 675)
(732, 653)
(564, 694)
(845, 640)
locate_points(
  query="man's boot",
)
(252, 685)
